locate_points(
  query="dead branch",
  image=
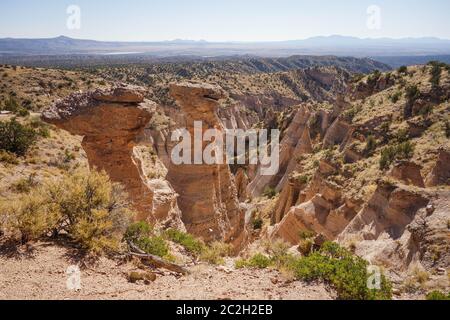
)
(155, 261)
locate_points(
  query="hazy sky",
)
(219, 20)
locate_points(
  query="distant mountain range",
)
(332, 45)
(186, 65)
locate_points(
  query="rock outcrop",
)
(111, 122)
(297, 141)
(242, 181)
(400, 227)
(288, 199)
(208, 194)
(374, 83)
(317, 207)
(441, 171)
(408, 173)
(339, 133)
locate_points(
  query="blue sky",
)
(223, 20)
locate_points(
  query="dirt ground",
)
(42, 274)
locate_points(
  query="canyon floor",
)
(41, 275)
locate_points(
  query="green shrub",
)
(306, 243)
(304, 179)
(137, 231)
(31, 215)
(403, 70)
(189, 242)
(438, 295)
(87, 206)
(387, 157)
(371, 146)
(405, 150)
(68, 156)
(155, 245)
(7, 157)
(16, 138)
(240, 264)
(402, 135)
(95, 211)
(401, 151)
(279, 252)
(345, 272)
(351, 113)
(385, 127)
(11, 104)
(258, 261)
(25, 185)
(270, 193)
(436, 72)
(305, 246)
(373, 78)
(396, 97)
(41, 127)
(412, 93)
(257, 223)
(23, 112)
(215, 253)
(142, 235)
(307, 234)
(312, 267)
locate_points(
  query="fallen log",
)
(156, 261)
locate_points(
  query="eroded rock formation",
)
(318, 207)
(110, 122)
(401, 226)
(297, 141)
(208, 194)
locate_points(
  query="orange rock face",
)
(110, 122)
(441, 171)
(208, 194)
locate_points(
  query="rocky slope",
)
(371, 173)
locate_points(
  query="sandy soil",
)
(42, 274)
